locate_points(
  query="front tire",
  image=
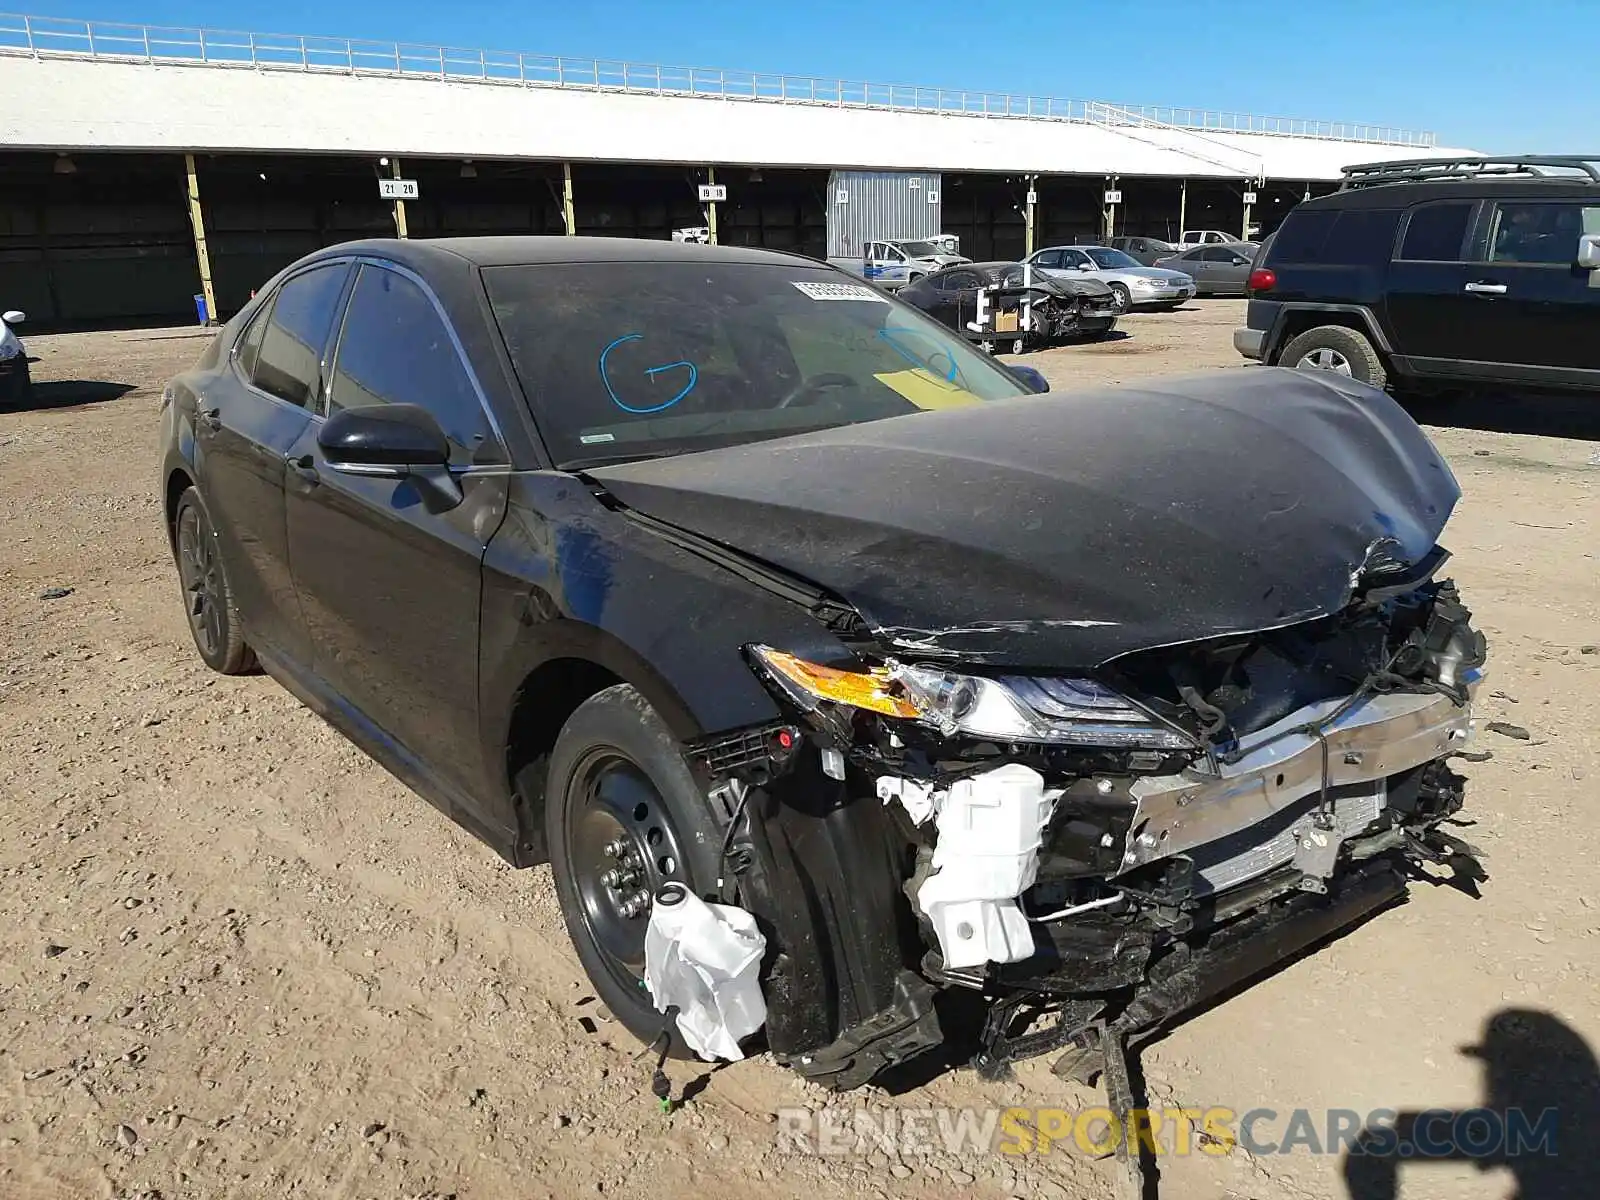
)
(208, 599)
(621, 802)
(1121, 298)
(1338, 349)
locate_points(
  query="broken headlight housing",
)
(1070, 712)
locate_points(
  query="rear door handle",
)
(212, 418)
(305, 467)
(1486, 289)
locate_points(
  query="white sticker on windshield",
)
(840, 291)
(589, 439)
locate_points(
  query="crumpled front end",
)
(1127, 842)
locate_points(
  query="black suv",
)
(1438, 272)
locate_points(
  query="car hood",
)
(1164, 274)
(1093, 288)
(1061, 531)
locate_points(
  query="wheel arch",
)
(1295, 319)
(179, 480)
(574, 662)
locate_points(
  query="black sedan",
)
(686, 567)
(1000, 306)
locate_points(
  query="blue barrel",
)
(200, 312)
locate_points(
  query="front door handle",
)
(1486, 289)
(305, 467)
(211, 418)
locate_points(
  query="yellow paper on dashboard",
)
(925, 389)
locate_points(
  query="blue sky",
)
(1490, 74)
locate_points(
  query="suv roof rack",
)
(1573, 168)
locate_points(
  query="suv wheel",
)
(622, 817)
(1338, 349)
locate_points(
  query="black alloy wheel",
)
(207, 598)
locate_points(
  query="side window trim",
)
(263, 314)
(337, 343)
(324, 361)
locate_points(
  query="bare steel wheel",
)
(622, 816)
(622, 845)
(207, 598)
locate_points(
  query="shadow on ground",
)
(1551, 414)
(71, 393)
(1540, 1114)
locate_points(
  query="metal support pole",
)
(1244, 232)
(711, 208)
(399, 205)
(568, 215)
(1031, 222)
(1183, 207)
(197, 220)
(1108, 216)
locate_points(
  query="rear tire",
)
(208, 598)
(617, 776)
(1339, 349)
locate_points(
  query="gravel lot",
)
(238, 959)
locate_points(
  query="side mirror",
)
(13, 317)
(1031, 379)
(1588, 254)
(392, 441)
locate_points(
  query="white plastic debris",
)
(915, 796)
(990, 827)
(706, 959)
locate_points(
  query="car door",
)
(1424, 297)
(1228, 268)
(1528, 303)
(257, 406)
(1048, 261)
(390, 589)
(1199, 265)
(1076, 264)
(939, 296)
(963, 287)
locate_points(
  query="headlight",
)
(1145, 281)
(1074, 712)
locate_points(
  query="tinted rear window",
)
(1436, 231)
(1337, 237)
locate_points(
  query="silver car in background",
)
(1217, 270)
(1133, 285)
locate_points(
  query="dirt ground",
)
(238, 959)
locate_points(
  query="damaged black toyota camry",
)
(837, 672)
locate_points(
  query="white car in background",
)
(1132, 284)
(15, 385)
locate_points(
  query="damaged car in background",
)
(865, 702)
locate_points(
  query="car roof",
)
(1403, 195)
(527, 250)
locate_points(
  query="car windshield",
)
(1110, 260)
(920, 249)
(627, 360)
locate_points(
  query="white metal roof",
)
(147, 89)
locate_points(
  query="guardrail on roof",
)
(57, 37)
